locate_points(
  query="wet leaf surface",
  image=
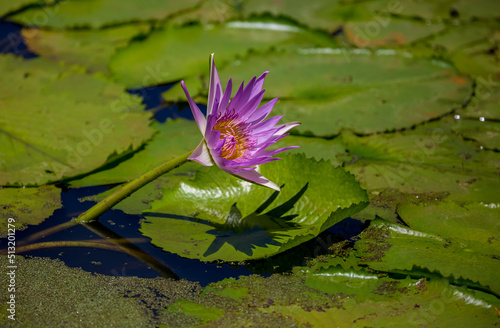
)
(365, 92)
(91, 49)
(98, 13)
(404, 95)
(95, 121)
(157, 60)
(216, 216)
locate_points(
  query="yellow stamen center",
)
(237, 141)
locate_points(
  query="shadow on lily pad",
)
(257, 229)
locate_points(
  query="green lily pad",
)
(486, 132)
(27, 206)
(210, 12)
(476, 226)
(172, 139)
(219, 217)
(459, 37)
(362, 91)
(485, 105)
(436, 11)
(200, 311)
(392, 248)
(70, 124)
(480, 60)
(91, 49)
(348, 299)
(157, 59)
(366, 286)
(98, 13)
(317, 148)
(11, 6)
(468, 10)
(433, 303)
(388, 32)
(430, 10)
(327, 15)
(426, 165)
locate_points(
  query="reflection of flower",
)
(236, 133)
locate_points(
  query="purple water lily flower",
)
(237, 133)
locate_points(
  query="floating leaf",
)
(205, 313)
(98, 13)
(458, 37)
(467, 10)
(432, 11)
(27, 205)
(158, 59)
(341, 298)
(388, 32)
(70, 123)
(487, 133)
(425, 165)
(328, 15)
(314, 147)
(219, 217)
(13, 5)
(476, 226)
(91, 49)
(365, 92)
(480, 61)
(485, 106)
(210, 11)
(433, 303)
(392, 248)
(428, 10)
(172, 139)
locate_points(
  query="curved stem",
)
(131, 249)
(125, 191)
(47, 232)
(68, 243)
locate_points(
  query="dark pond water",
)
(116, 222)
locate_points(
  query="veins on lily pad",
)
(258, 229)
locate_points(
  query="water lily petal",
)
(214, 87)
(198, 115)
(237, 132)
(262, 112)
(202, 154)
(225, 99)
(256, 177)
(259, 83)
(240, 101)
(249, 108)
(266, 125)
(286, 127)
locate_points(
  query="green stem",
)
(94, 212)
